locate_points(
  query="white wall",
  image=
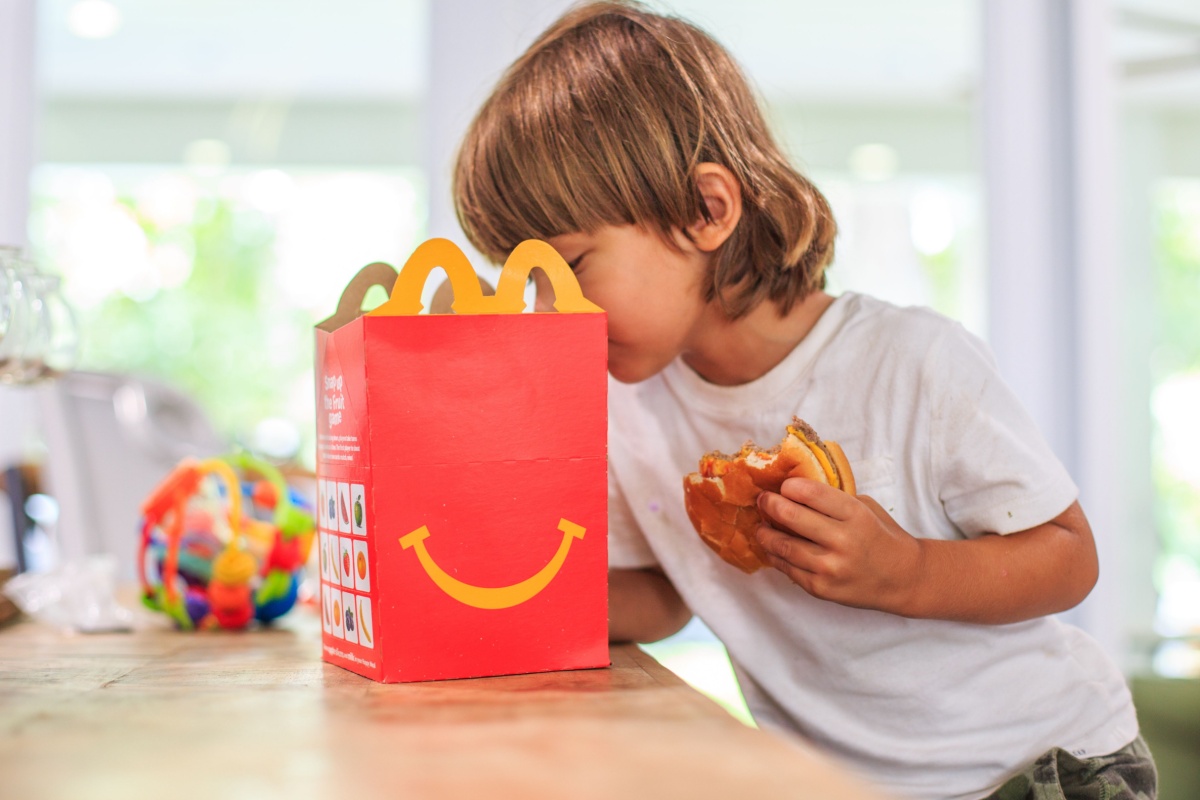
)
(16, 162)
(465, 63)
(1059, 299)
(16, 116)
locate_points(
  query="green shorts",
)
(1128, 774)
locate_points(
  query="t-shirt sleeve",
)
(627, 547)
(994, 471)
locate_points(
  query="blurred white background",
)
(206, 176)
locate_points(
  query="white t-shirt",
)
(924, 708)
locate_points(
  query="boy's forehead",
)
(600, 234)
(568, 240)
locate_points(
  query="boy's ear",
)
(722, 195)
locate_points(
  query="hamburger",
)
(721, 497)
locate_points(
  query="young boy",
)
(903, 629)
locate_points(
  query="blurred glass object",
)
(8, 287)
(79, 596)
(41, 337)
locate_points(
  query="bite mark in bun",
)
(721, 497)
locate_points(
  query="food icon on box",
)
(365, 631)
(350, 627)
(346, 561)
(326, 609)
(362, 568)
(358, 509)
(337, 622)
(344, 521)
(335, 562)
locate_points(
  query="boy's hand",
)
(839, 547)
(849, 550)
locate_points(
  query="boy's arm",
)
(849, 550)
(643, 606)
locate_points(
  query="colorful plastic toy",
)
(219, 548)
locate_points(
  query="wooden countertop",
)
(167, 715)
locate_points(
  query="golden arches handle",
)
(406, 292)
(510, 289)
(468, 296)
(349, 306)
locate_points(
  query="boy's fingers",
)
(819, 496)
(795, 550)
(802, 578)
(796, 519)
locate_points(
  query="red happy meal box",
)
(462, 473)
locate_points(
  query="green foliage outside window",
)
(1178, 277)
(1177, 366)
(221, 335)
(213, 284)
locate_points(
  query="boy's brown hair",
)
(603, 120)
